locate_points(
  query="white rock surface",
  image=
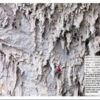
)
(50, 33)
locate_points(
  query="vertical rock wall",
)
(49, 33)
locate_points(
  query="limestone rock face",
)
(49, 33)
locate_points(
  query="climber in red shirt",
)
(58, 71)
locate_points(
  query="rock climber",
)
(58, 71)
(14, 24)
(19, 23)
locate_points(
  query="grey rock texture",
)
(49, 33)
